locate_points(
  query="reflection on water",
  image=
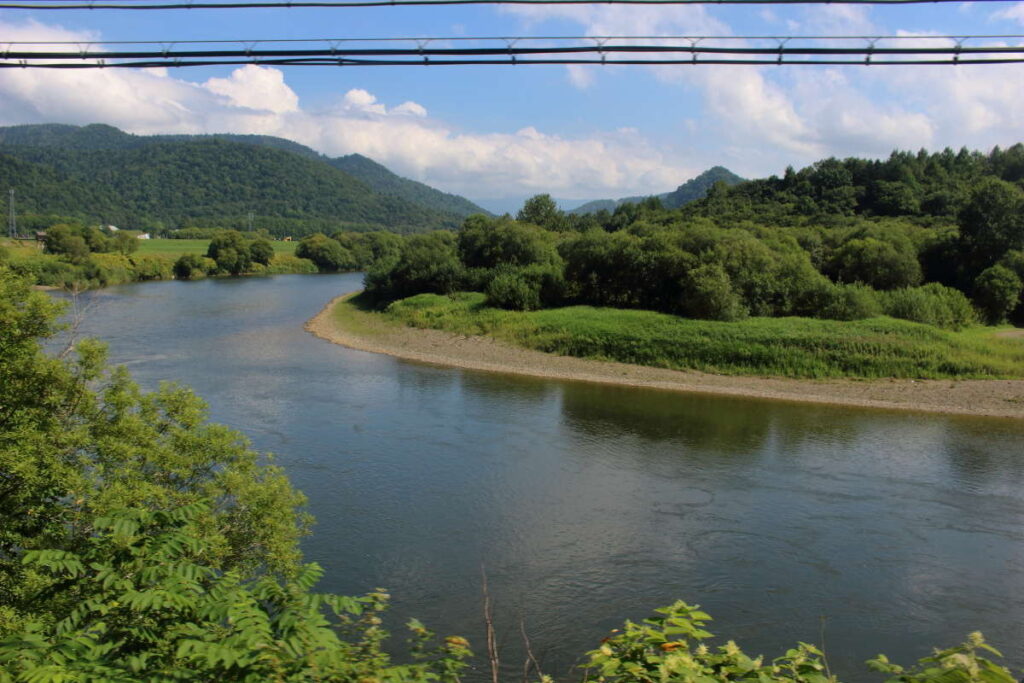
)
(589, 504)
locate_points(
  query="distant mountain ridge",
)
(350, 190)
(689, 191)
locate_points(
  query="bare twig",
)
(824, 650)
(78, 315)
(530, 658)
(492, 648)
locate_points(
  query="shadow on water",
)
(590, 504)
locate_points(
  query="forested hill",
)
(99, 173)
(918, 185)
(381, 180)
(691, 190)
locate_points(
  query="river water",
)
(873, 531)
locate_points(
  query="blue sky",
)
(509, 132)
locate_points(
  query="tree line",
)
(829, 241)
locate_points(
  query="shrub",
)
(328, 255)
(996, 293)
(670, 647)
(193, 267)
(933, 304)
(709, 294)
(847, 302)
(514, 291)
(262, 251)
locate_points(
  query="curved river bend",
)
(591, 504)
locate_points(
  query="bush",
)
(670, 648)
(514, 291)
(709, 295)
(328, 255)
(996, 293)
(193, 267)
(849, 302)
(933, 304)
(877, 263)
(262, 251)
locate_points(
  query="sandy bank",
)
(345, 325)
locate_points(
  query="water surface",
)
(588, 504)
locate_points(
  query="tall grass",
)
(789, 347)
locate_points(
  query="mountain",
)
(383, 181)
(100, 173)
(689, 191)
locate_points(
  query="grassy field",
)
(786, 347)
(178, 247)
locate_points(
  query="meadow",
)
(879, 347)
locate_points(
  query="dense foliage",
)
(670, 646)
(99, 174)
(919, 237)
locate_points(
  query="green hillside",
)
(98, 173)
(207, 183)
(381, 180)
(691, 190)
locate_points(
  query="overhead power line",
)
(464, 51)
(295, 4)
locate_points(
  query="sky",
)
(500, 134)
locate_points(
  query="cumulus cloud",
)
(765, 117)
(256, 88)
(257, 100)
(1014, 12)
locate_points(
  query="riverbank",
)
(343, 323)
(154, 260)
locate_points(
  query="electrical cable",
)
(660, 50)
(325, 4)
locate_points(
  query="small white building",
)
(111, 228)
(144, 236)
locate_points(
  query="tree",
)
(710, 295)
(542, 210)
(65, 240)
(125, 244)
(427, 263)
(230, 249)
(487, 243)
(79, 440)
(262, 251)
(876, 263)
(997, 292)
(326, 253)
(992, 222)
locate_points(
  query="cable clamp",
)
(870, 51)
(782, 48)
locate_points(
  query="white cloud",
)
(255, 99)
(763, 118)
(410, 108)
(1013, 13)
(256, 88)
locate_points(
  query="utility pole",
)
(12, 223)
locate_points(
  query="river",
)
(873, 531)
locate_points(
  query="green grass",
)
(178, 247)
(787, 347)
